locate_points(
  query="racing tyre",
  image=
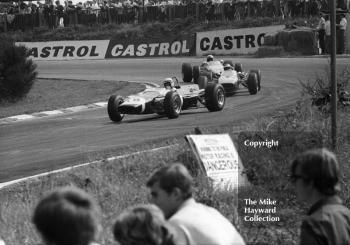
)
(252, 83)
(186, 71)
(228, 62)
(258, 74)
(214, 97)
(238, 67)
(202, 82)
(172, 104)
(195, 74)
(112, 108)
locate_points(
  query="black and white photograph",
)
(174, 122)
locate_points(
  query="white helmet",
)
(168, 83)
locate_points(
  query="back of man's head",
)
(67, 216)
(320, 167)
(173, 176)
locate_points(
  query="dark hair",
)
(142, 224)
(67, 216)
(173, 176)
(319, 166)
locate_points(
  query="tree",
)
(17, 72)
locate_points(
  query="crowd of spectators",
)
(69, 215)
(21, 15)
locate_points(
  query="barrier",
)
(233, 41)
(66, 50)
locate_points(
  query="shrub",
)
(17, 73)
(320, 89)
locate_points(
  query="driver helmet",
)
(168, 83)
(227, 67)
(210, 58)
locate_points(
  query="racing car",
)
(223, 72)
(168, 100)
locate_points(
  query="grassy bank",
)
(149, 31)
(121, 183)
(48, 94)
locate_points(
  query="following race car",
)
(223, 72)
(169, 100)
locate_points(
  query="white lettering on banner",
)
(141, 50)
(164, 49)
(234, 41)
(66, 50)
(152, 49)
(175, 47)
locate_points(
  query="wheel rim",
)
(221, 97)
(117, 103)
(177, 104)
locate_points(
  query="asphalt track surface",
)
(39, 145)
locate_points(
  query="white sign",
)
(66, 50)
(233, 41)
(218, 156)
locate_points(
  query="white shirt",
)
(204, 225)
(343, 24)
(327, 28)
(321, 24)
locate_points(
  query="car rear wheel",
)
(202, 82)
(252, 83)
(195, 74)
(172, 104)
(112, 108)
(258, 74)
(186, 71)
(214, 97)
(238, 67)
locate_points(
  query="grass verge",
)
(50, 94)
(121, 183)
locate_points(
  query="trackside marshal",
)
(233, 41)
(218, 156)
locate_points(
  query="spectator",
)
(59, 10)
(321, 32)
(146, 225)
(341, 34)
(2, 242)
(171, 191)
(315, 174)
(67, 216)
(327, 29)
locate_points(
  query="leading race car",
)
(223, 72)
(169, 100)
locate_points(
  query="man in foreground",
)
(171, 191)
(68, 215)
(315, 174)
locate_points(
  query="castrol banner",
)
(233, 41)
(66, 50)
(129, 49)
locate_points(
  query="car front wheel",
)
(112, 108)
(214, 97)
(172, 104)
